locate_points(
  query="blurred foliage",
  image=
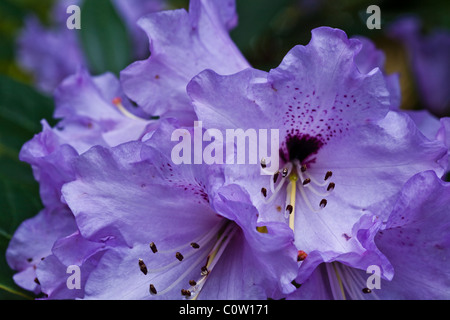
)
(110, 49)
(21, 110)
(267, 30)
(12, 14)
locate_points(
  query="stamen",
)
(142, 266)
(328, 175)
(117, 101)
(323, 203)
(350, 282)
(188, 270)
(153, 290)
(305, 199)
(263, 163)
(304, 175)
(317, 193)
(307, 182)
(205, 271)
(338, 277)
(179, 256)
(301, 255)
(195, 245)
(295, 284)
(226, 231)
(199, 240)
(289, 208)
(274, 190)
(185, 293)
(153, 247)
(264, 192)
(275, 176)
(214, 257)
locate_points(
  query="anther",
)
(328, 175)
(284, 172)
(195, 245)
(153, 247)
(366, 290)
(192, 283)
(153, 290)
(323, 203)
(205, 271)
(295, 284)
(263, 163)
(306, 181)
(117, 100)
(185, 293)
(301, 255)
(142, 266)
(303, 168)
(331, 186)
(275, 176)
(264, 192)
(289, 208)
(179, 256)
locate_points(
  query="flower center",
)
(299, 147)
(295, 177)
(202, 253)
(296, 152)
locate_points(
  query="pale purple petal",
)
(33, 241)
(416, 241)
(158, 83)
(51, 163)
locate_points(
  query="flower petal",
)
(416, 241)
(158, 83)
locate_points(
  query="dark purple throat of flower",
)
(299, 147)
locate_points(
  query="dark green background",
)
(267, 30)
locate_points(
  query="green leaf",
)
(104, 37)
(21, 110)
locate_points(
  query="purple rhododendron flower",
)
(51, 54)
(343, 155)
(358, 182)
(430, 62)
(176, 229)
